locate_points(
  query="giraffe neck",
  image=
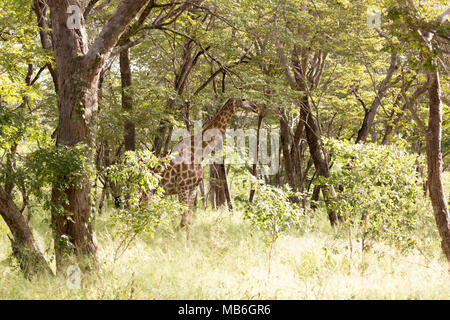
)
(222, 118)
(220, 123)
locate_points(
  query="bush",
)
(272, 211)
(138, 174)
(378, 186)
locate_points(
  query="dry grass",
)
(228, 259)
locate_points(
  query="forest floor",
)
(228, 259)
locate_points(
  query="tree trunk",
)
(434, 161)
(77, 104)
(41, 9)
(285, 140)
(125, 72)
(226, 188)
(127, 100)
(218, 184)
(315, 197)
(292, 154)
(318, 156)
(78, 69)
(255, 165)
(24, 246)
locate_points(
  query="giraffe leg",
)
(182, 198)
(187, 197)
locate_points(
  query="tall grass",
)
(228, 259)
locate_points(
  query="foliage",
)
(199, 56)
(20, 49)
(272, 210)
(57, 167)
(378, 189)
(145, 207)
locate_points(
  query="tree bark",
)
(78, 69)
(126, 75)
(218, 185)
(292, 154)
(24, 246)
(127, 100)
(226, 188)
(318, 156)
(285, 140)
(40, 8)
(434, 161)
(433, 140)
(315, 196)
(255, 165)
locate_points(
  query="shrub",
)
(272, 211)
(135, 175)
(378, 186)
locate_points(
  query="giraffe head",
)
(245, 104)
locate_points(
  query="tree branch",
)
(224, 68)
(89, 7)
(409, 102)
(108, 37)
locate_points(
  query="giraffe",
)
(184, 173)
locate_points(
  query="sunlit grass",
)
(228, 259)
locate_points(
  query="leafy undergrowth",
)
(228, 259)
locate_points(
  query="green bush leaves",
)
(378, 187)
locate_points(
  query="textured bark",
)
(127, 100)
(293, 154)
(255, 165)
(221, 191)
(318, 155)
(40, 8)
(315, 197)
(286, 147)
(218, 185)
(24, 246)
(297, 154)
(227, 190)
(434, 161)
(433, 140)
(78, 69)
